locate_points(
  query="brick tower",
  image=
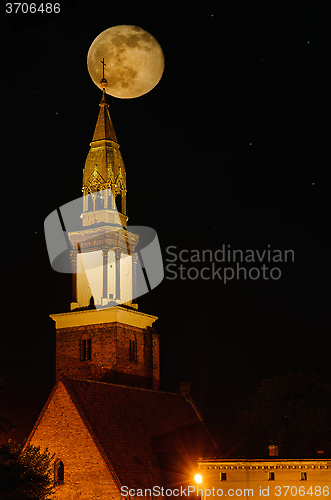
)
(104, 336)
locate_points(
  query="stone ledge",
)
(109, 315)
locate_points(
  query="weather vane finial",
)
(103, 81)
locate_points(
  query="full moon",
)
(134, 61)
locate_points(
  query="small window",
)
(85, 350)
(99, 202)
(271, 476)
(223, 476)
(59, 472)
(133, 350)
(118, 201)
(303, 476)
(90, 203)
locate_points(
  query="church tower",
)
(105, 337)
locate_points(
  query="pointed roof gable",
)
(104, 158)
(138, 428)
(146, 437)
(104, 128)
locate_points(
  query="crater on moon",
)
(133, 57)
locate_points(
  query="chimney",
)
(273, 450)
(185, 389)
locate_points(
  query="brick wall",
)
(110, 350)
(62, 431)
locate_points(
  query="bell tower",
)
(103, 257)
(105, 337)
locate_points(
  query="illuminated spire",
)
(104, 128)
(104, 166)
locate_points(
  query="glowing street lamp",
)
(198, 478)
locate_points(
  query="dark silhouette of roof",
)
(146, 437)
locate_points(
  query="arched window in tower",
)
(133, 348)
(99, 201)
(118, 200)
(91, 304)
(86, 349)
(110, 200)
(59, 472)
(90, 203)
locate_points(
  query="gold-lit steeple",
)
(104, 170)
(105, 337)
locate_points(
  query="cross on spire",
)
(103, 80)
(103, 67)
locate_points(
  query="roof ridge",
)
(41, 414)
(101, 382)
(89, 428)
(136, 430)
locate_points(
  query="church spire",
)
(104, 170)
(104, 128)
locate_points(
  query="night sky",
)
(230, 148)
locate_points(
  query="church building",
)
(107, 423)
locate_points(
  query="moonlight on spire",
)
(134, 61)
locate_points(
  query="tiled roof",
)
(149, 437)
